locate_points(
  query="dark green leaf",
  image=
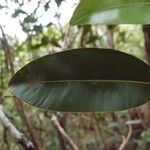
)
(38, 28)
(112, 12)
(46, 6)
(1, 6)
(84, 80)
(30, 19)
(92, 39)
(18, 12)
(58, 2)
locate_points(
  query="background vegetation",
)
(54, 130)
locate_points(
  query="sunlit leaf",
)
(84, 80)
(112, 12)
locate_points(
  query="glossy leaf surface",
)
(83, 80)
(112, 12)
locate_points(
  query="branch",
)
(146, 31)
(19, 137)
(60, 129)
(125, 140)
(110, 33)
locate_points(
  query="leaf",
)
(30, 19)
(18, 12)
(46, 6)
(83, 80)
(112, 12)
(1, 7)
(58, 2)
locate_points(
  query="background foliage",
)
(89, 130)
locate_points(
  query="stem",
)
(125, 140)
(20, 138)
(61, 130)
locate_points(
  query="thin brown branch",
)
(146, 31)
(19, 137)
(61, 130)
(110, 33)
(24, 118)
(86, 30)
(62, 141)
(126, 140)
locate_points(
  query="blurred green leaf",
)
(45, 40)
(58, 2)
(1, 7)
(30, 19)
(146, 135)
(111, 12)
(92, 39)
(18, 12)
(46, 6)
(54, 42)
(38, 28)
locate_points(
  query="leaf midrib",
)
(94, 81)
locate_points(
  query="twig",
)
(20, 138)
(62, 141)
(110, 32)
(146, 32)
(125, 140)
(63, 133)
